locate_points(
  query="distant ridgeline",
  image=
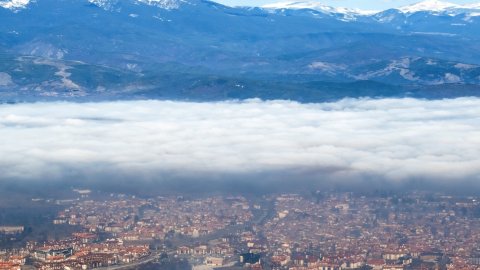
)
(201, 50)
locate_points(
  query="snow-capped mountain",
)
(318, 7)
(166, 4)
(402, 14)
(473, 6)
(429, 5)
(199, 49)
(106, 4)
(441, 7)
(14, 4)
(433, 6)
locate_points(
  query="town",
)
(321, 230)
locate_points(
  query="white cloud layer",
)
(394, 139)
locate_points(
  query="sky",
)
(360, 4)
(392, 139)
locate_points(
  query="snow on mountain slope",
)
(435, 6)
(473, 6)
(444, 8)
(318, 7)
(14, 4)
(105, 4)
(165, 4)
(429, 5)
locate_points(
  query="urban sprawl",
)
(322, 231)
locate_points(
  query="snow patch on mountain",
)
(328, 68)
(165, 4)
(465, 66)
(105, 4)
(471, 15)
(5, 79)
(473, 6)
(429, 5)
(14, 4)
(443, 8)
(318, 7)
(452, 78)
(385, 18)
(42, 49)
(434, 7)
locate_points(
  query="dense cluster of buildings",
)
(316, 232)
(348, 232)
(84, 251)
(81, 251)
(133, 219)
(13, 259)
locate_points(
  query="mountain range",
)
(202, 50)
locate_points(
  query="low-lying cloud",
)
(392, 139)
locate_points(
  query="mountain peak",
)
(14, 4)
(314, 5)
(164, 4)
(473, 6)
(429, 5)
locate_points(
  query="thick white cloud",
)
(394, 139)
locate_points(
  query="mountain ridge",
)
(78, 49)
(426, 5)
(433, 6)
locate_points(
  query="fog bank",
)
(394, 140)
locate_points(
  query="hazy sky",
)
(362, 4)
